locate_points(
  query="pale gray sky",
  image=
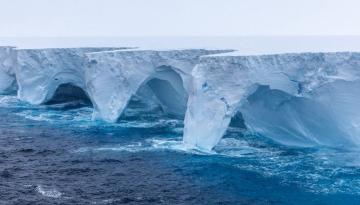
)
(60, 18)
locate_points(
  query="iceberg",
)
(7, 66)
(296, 99)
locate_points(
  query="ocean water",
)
(55, 154)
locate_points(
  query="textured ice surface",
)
(296, 108)
(7, 65)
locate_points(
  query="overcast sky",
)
(58, 18)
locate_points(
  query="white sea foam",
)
(31, 116)
(229, 147)
(10, 101)
(48, 192)
(135, 147)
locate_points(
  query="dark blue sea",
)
(56, 154)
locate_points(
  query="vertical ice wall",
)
(7, 65)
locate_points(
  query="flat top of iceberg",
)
(89, 49)
(157, 50)
(252, 45)
(6, 47)
(241, 54)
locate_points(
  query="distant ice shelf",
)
(296, 99)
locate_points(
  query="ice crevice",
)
(296, 99)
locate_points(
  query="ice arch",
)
(168, 87)
(164, 82)
(44, 91)
(115, 76)
(224, 83)
(41, 71)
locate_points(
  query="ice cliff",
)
(299, 99)
(7, 65)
